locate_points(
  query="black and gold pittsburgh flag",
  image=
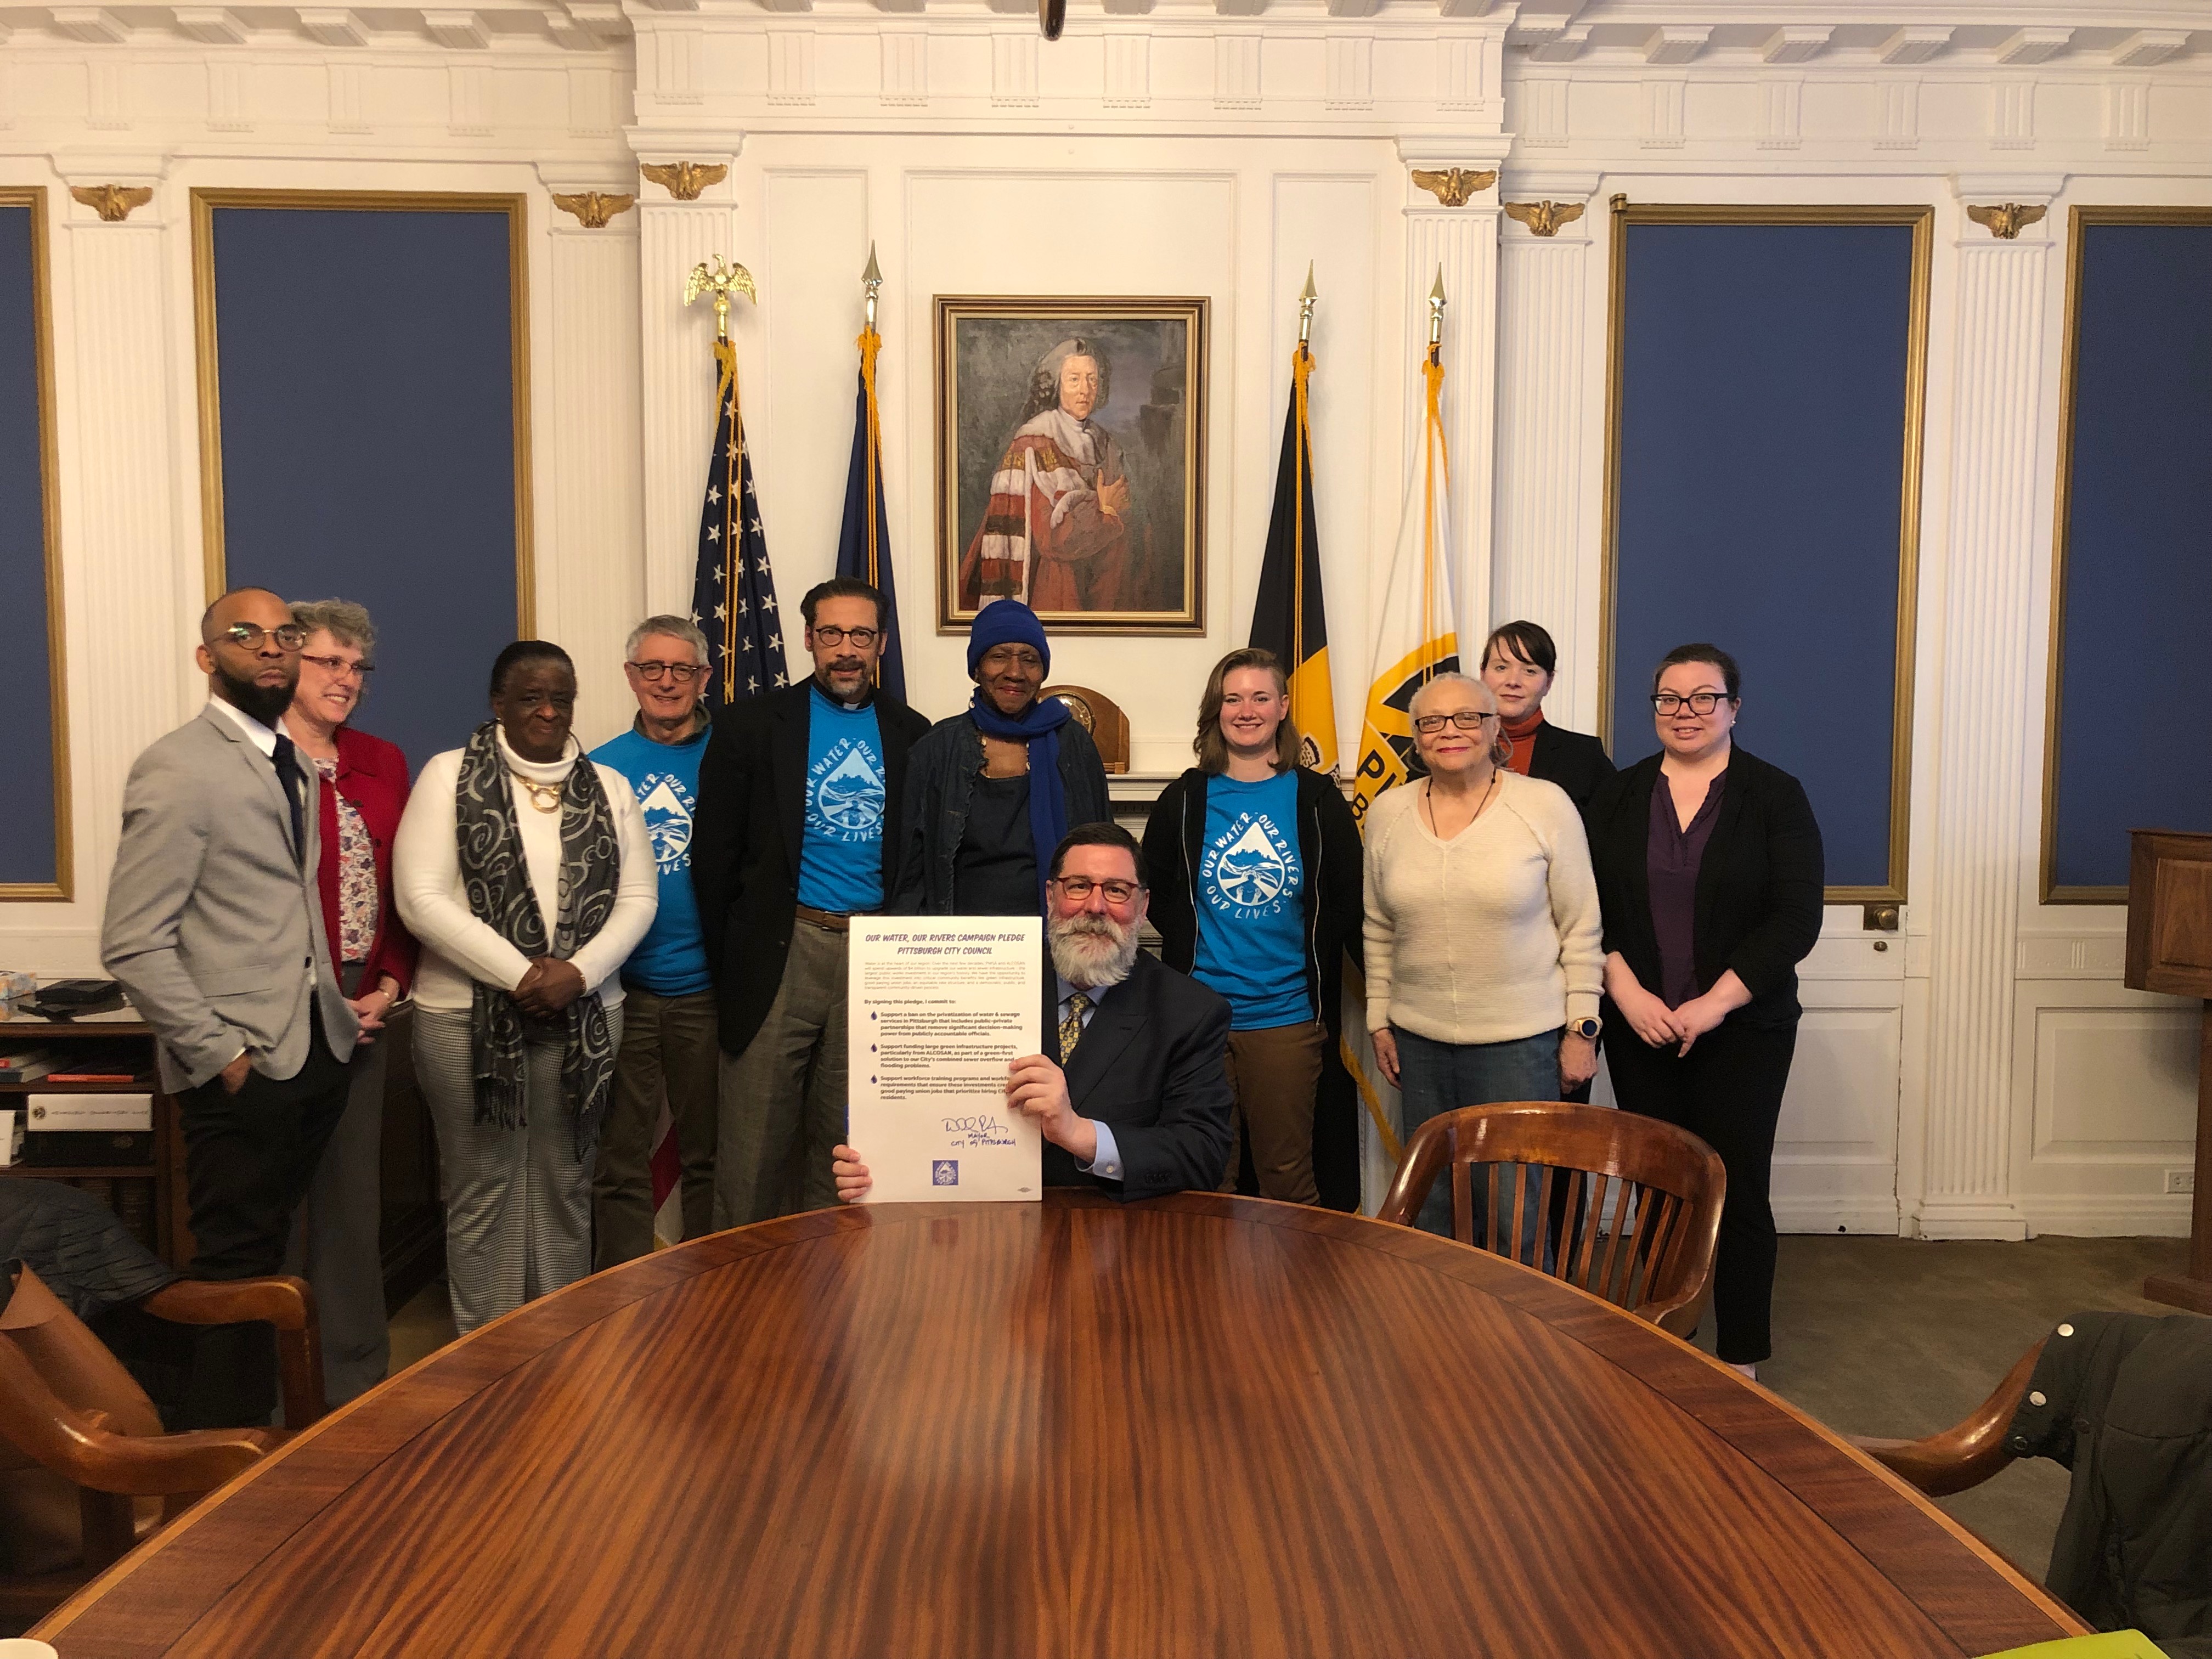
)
(1288, 618)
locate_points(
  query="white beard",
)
(1091, 952)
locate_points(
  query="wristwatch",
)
(1585, 1028)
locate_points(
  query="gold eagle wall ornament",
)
(1453, 187)
(593, 208)
(2007, 221)
(1544, 218)
(112, 202)
(685, 179)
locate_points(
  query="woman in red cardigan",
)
(364, 790)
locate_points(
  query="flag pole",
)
(1301, 368)
(871, 343)
(1432, 371)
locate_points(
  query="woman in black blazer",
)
(1518, 662)
(1708, 869)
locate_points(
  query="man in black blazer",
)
(797, 830)
(1137, 1103)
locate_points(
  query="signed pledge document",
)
(939, 1006)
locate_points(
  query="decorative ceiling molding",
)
(94, 25)
(213, 25)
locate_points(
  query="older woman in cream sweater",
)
(1485, 952)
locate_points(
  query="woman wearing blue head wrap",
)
(991, 791)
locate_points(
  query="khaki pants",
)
(669, 1051)
(1273, 1075)
(783, 1099)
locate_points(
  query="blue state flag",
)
(864, 545)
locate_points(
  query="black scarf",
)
(496, 879)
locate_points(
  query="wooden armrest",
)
(284, 1302)
(74, 1446)
(1969, 1452)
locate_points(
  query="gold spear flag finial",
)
(871, 279)
(1307, 295)
(1437, 312)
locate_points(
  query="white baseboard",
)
(1805, 1213)
(1970, 1217)
(2110, 1215)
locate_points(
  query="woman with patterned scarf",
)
(525, 872)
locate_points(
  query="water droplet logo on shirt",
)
(1248, 868)
(666, 806)
(845, 794)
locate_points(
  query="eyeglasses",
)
(290, 637)
(338, 668)
(1079, 889)
(1468, 719)
(682, 672)
(862, 638)
(1697, 702)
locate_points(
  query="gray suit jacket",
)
(213, 926)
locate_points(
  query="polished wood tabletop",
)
(1197, 1426)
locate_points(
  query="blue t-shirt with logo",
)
(1251, 922)
(840, 857)
(670, 960)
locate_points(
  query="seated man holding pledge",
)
(1137, 1103)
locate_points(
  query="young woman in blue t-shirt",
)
(1255, 873)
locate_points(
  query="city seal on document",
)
(945, 1172)
(1249, 869)
(845, 794)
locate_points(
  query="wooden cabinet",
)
(2169, 950)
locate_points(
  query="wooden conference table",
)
(1199, 1426)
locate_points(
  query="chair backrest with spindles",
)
(1623, 1207)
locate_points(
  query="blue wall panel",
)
(27, 853)
(366, 381)
(2135, 697)
(1763, 396)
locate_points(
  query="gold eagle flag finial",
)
(112, 202)
(1455, 187)
(2007, 222)
(685, 179)
(721, 281)
(1544, 218)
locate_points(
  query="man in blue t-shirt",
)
(669, 1054)
(798, 832)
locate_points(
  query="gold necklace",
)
(546, 797)
(1428, 799)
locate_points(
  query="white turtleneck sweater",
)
(457, 948)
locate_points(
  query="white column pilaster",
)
(133, 584)
(677, 370)
(1537, 563)
(1462, 243)
(1991, 667)
(591, 573)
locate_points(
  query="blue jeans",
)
(1442, 1077)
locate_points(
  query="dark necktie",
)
(294, 784)
(1071, 1025)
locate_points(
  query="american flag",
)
(734, 595)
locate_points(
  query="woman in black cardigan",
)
(1257, 878)
(1518, 662)
(1708, 869)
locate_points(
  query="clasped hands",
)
(1659, 1025)
(547, 986)
(1035, 1087)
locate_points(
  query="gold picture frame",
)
(63, 887)
(205, 202)
(2078, 219)
(1111, 541)
(1920, 218)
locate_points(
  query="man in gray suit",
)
(214, 928)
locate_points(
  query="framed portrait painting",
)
(1071, 461)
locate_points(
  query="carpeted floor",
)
(1888, 1336)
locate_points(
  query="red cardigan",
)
(373, 775)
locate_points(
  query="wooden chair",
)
(1654, 1193)
(1101, 717)
(110, 1470)
(1968, 1452)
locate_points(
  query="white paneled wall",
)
(1981, 1073)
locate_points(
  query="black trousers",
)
(1728, 1092)
(249, 1159)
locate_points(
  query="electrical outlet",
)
(2181, 1181)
